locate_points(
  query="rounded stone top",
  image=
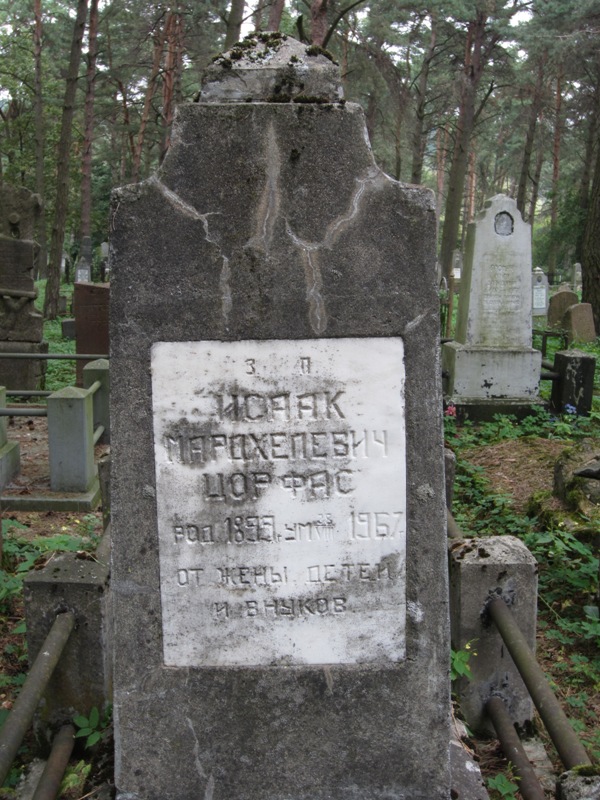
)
(272, 68)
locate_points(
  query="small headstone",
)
(539, 293)
(578, 321)
(558, 304)
(492, 365)
(274, 379)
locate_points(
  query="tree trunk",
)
(591, 247)
(234, 23)
(586, 174)
(471, 78)
(419, 138)
(535, 190)
(62, 165)
(171, 78)
(534, 111)
(275, 14)
(318, 18)
(552, 258)
(88, 125)
(441, 152)
(42, 258)
(159, 43)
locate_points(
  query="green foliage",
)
(75, 778)
(502, 787)
(94, 727)
(20, 555)
(459, 662)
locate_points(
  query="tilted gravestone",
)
(578, 322)
(557, 306)
(278, 522)
(491, 365)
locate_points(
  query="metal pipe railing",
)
(26, 393)
(94, 387)
(23, 412)
(98, 433)
(21, 716)
(529, 785)
(569, 748)
(58, 356)
(51, 778)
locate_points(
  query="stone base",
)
(79, 502)
(22, 373)
(486, 410)
(490, 374)
(10, 462)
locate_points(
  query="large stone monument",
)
(278, 522)
(20, 323)
(491, 366)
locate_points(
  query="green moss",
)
(587, 770)
(315, 50)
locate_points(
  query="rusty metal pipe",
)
(569, 748)
(51, 778)
(529, 785)
(21, 716)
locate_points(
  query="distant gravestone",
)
(557, 306)
(491, 366)
(576, 277)
(578, 321)
(539, 293)
(91, 310)
(279, 581)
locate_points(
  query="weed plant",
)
(568, 566)
(59, 373)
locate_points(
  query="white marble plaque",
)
(281, 497)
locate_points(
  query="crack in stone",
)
(312, 268)
(210, 784)
(192, 213)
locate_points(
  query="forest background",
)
(470, 98)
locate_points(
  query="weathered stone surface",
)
(272, 68)
(575, 388)
(570, 485)
(272, 222)
(491, 362)
(21, 373)
(578, 321)
(480, 568)
(575, 786)
(557, 306)
(83, 677)
(19, 211)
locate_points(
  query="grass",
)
(59, 373)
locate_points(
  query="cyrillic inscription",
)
(280, 471)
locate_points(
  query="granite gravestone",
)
(578, 322)
(278, 523)
(491, 364)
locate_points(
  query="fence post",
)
(71, 440)
(499, 566)
(99, 371)
(10, 457)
